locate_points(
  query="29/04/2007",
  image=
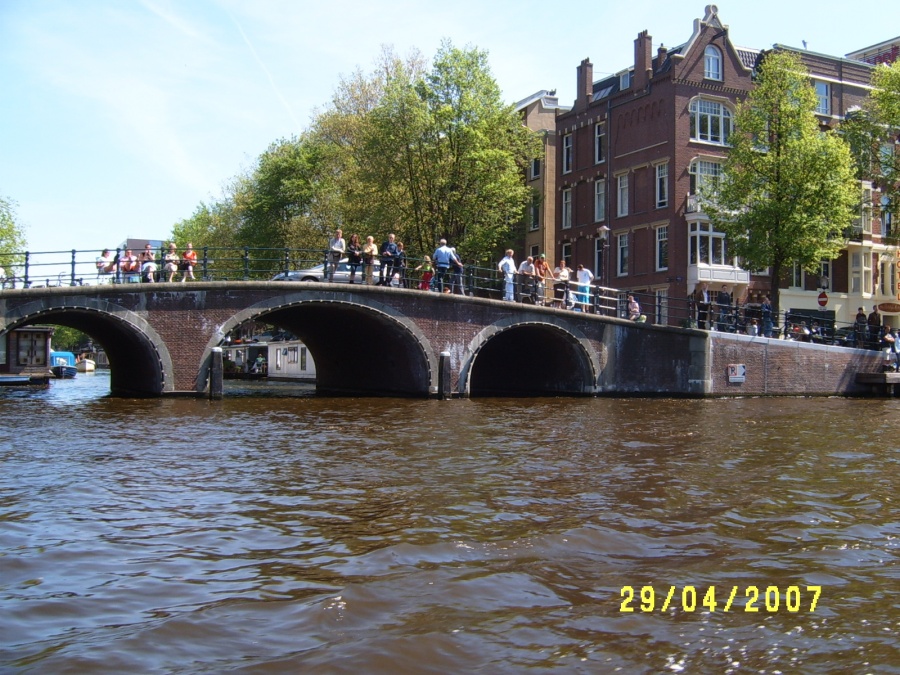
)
(647, 600)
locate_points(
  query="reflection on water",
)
(302, 534)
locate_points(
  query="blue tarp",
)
(62, 358)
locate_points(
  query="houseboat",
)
(290, 360)
(25, 356)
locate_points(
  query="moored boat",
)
(62, 365)
(86, 366)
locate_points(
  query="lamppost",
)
(603, 238)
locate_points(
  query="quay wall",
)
(786, 368)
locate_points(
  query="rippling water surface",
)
(302, 534)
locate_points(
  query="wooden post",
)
(444, 376)
(216, 372)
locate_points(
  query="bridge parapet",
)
(369, 340)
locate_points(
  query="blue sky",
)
(119, 117)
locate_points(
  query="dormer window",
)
(712, 63)
(624, 80)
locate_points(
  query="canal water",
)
(289, 533)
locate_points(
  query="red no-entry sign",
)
(823, 299)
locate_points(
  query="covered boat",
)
(62, 365)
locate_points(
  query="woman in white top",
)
(561, 273)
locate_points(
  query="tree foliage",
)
(424, 153)
(12, 236)
(445, 155)
(788, 190)
(213, 224)
(874, 132)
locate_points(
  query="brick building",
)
(539, 113)
(635, 147)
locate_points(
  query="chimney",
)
(643, 63)
(585, 90)
(661, 55)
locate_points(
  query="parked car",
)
(317, 273)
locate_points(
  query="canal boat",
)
(86, 365)
(62, 365)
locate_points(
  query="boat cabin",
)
(25, 352)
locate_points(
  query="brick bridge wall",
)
(371, 340)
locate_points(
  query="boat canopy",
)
(62, 359)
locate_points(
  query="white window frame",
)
(567, 154)
(566, 208)
(662, 248)
(599, 140)
(599, 200)
(825, 275)
(535, 168)
(622, 195)
(622, 254)
(662, 306)
(662, 185)
(710, 121)
(797, 279)
(866, 211)
(823, 93)
(861, 271)
(712, 63)
(706, 246)
(566, 252)
(704, 172)
(535, 223)
(625, 80)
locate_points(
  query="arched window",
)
(712, 63)
(710, 121)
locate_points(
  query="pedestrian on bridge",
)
(170, 262)
(369, 251)
(443, 257)
(541, 274)
(388, 260)
(128, 263)
(508, 267)
(354, 256)
(106, 265)
(585, 277)
(148, 264)
(188, 262)
(336, 248)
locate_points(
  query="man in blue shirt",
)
(443, 257)
(389, 252)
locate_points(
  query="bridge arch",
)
(546, 357)
(359, 345)
(139, 362)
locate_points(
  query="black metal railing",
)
(75, 268)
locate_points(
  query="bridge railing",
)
(74, 267)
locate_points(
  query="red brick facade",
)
(642, 116)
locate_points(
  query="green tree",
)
(12, 237)
(443, 156)
(874, 130)
(213, 224)
(282, 203)
(788, 190)
(347, 195)
(68, 339)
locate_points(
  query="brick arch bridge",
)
(369, 340)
